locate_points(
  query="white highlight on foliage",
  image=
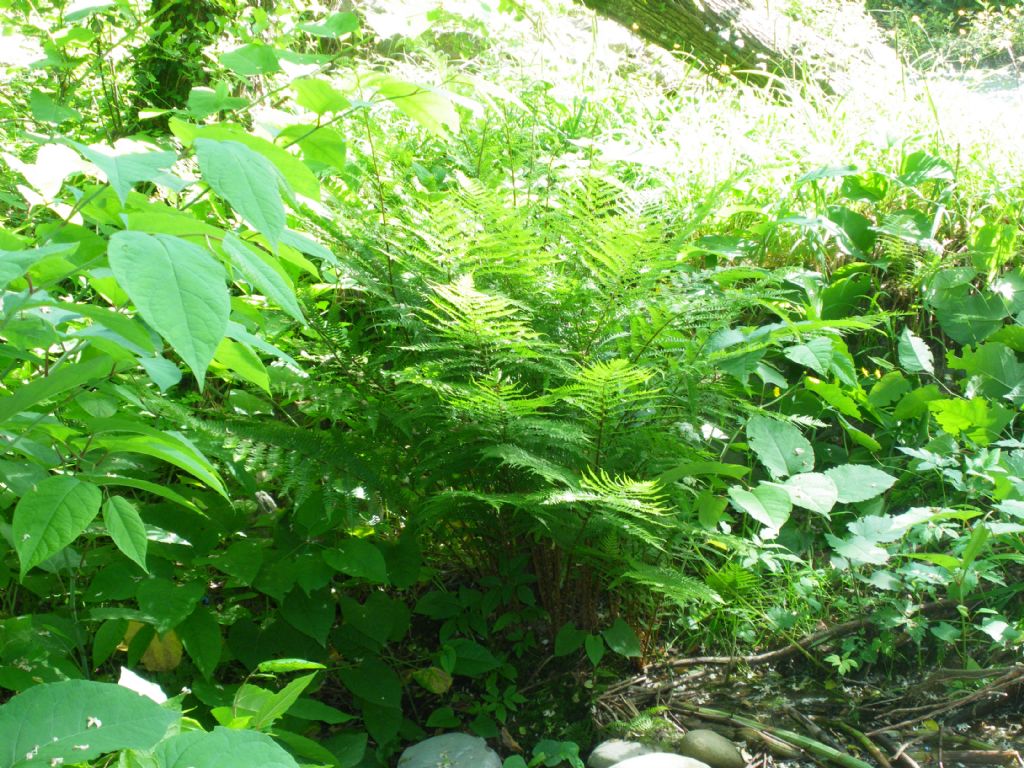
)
(133, 682)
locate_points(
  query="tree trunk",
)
(748, 39)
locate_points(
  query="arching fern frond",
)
(672, 584)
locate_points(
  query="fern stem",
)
(381, 204)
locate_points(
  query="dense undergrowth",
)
(463, 365)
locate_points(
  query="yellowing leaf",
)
(163, 653)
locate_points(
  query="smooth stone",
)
(711, 748)
(608, 753)
(450, 750)
(661, 760)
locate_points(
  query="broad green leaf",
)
(780, 446)
(382, 723)
(171, 447)
(242, 561)
(697, 468)
(981, 420)
(14, 264)
(968, 317)
(160, 220)
(768, 503)
(992, 247)
(162, 371)
(237, 332)
(203, 102)
(178, 288)
(46, 110)
(251, 59)
(134, 334)
(274, 284)
(307, 245)
(245, 179)
(71, 722)
(858, 550)
(915, 403)
(859, 482)
(311, 709)
(915, 356)
(622, 639)
(293, 171)
(277, 705)
(379, 618)
(322, 147)
(834, 396)
(200, 634)
(979, 537)
(129, 162)
(319, 96)
(60, 379)
(888, 389)
(594, 647)
(351, 747)
(51, 517)
(996, 370)
(156, 489)
(313, 614)
(471, 658)
(281, 666)
(20, 477)
(310, 751)
(373, 681)
(919, 167)
(816, 354)
(861, 438)
(222, 748)
(125, 527)
(169, 604)
(358, 558)
(813, 491)
(336, 25)
(430, 108)
(243, 362)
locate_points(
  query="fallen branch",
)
(1014, 677)
(866, 743)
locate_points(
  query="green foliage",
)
(407, 383)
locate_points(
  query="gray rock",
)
(660, 760)
(450, 750)
(608, 753)
(711, 748)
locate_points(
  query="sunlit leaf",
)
(245, 179)
(178, 288)
(52, 516)
(780, 446)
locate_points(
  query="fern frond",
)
(682, 590)
(514, 456)
(732, 579)
(604, 389)
(636, 508)
(480, 321)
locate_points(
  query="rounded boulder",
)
(660, 760)
(614, 751)
(711, 748)
(450, 750)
